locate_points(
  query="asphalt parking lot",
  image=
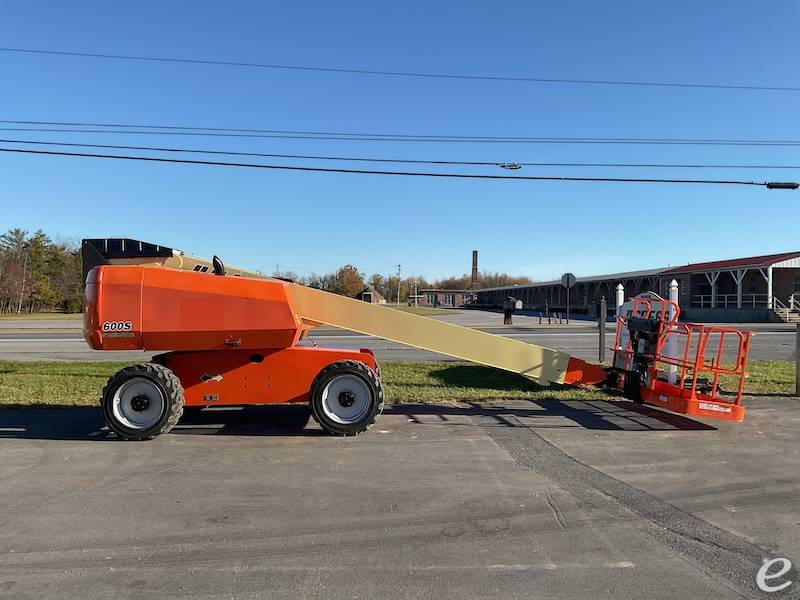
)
(531, 500)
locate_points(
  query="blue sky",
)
(306, 221)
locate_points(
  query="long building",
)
(739, 290)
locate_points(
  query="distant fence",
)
(730, 301)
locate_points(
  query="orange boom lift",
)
(232, 337)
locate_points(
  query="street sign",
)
(568, 281)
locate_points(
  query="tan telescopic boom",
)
(543, 365)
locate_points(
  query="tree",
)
(13, 241)
(312, 280)
(391, 289)
(454, 283)
(291, 275)
(377, 282)
(487, 279)
(37, 273)
(347, 281)
(13, 267)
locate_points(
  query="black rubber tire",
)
(632, 386)
(170, 387)
(349, 367)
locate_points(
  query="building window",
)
(431, 299)
(796, 284)
(683, 287)
(447, 299)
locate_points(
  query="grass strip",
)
(80, 383)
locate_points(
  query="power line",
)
(442, 139)
(341, 70)
(381, 136)
(505, 164)
(771, 185)
(501, 138)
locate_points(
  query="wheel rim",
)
(138, 403)
(346, 399)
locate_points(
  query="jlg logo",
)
(117, 326)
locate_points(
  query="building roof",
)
(434, 290)
(736, 263)
(589, 279)
(784, 259)
(372, 291)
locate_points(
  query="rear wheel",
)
(142, 401)
(346, 397)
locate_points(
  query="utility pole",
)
(602, 311)
(398, 286)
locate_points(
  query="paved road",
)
(61, 340)
(528, 500)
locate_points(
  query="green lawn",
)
(460, 381)
(54, 383)
(766, 378)
(39, 316)
(80, 383)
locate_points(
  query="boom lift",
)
(231, 337)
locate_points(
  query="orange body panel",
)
(157, 308)
(248, 377)
(685, 402)
(580, 372)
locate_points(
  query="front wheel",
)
(142, 401)
(346, 397)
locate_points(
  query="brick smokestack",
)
(474, 269)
